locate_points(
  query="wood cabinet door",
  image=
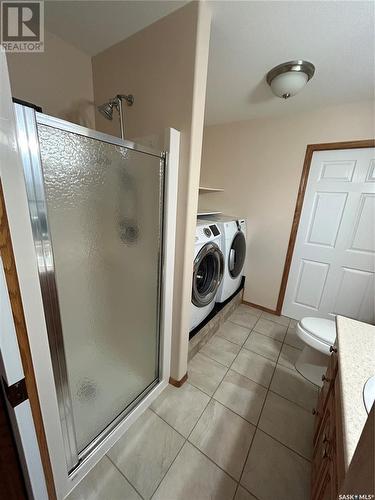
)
(328, 384)
(322, 447)
(326, 490)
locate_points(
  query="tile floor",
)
(239, 429)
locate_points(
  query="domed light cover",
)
(289, 78)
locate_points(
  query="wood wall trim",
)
(12, 484)
(262, 308)
(8, 260)
(329, 146)
(178, 383)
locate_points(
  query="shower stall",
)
(97, 209)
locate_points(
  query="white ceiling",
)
(95, 25)
(247, 39)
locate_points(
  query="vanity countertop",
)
(356, 354)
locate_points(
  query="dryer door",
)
(207, 274)
(237, 254)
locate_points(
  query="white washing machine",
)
(234, 250)
(208, 267)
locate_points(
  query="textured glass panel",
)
(103, 204)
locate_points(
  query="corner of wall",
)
(180, 341)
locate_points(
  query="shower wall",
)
(58, 79)
(165, 67)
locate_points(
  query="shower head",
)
(106, 109)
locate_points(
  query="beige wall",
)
(58, 79)
(259, 164)
(165, 67)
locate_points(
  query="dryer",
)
(208, 268)
(234, 250)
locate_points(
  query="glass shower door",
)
(96, 209)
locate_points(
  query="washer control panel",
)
(205, 233)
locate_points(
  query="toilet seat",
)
(318, 333)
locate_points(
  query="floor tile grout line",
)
(251, 331)
(227, 407)
(230, 367)
(169, 425)
(248, 378)
(204, 392)
(183, 444)
(213, 462)
(268, 388)
(273, 321)
(290, 400)
(187, 438)
(260, 415)
(282, 342)
(285, 445)
(168, 468)
(244, 464)
(269, 336)
(211, 397)
(234, 343)
(253, 328)
(263, 356)
(248, 491)
(242, 346)
(128, 480)
(267, 316)
(266, 336)
(213, 359)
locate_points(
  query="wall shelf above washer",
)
(204, 189)
(208, 212)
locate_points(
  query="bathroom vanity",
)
(340, 414)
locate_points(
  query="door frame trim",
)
(310, 149)
(11, 276)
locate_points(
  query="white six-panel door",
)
(333, 264)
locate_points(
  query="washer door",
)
(207, 274)
(237, 254)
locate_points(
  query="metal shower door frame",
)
(27, 123)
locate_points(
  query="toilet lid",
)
(322, 329)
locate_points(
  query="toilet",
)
(319, 335)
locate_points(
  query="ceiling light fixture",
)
(289, 78)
